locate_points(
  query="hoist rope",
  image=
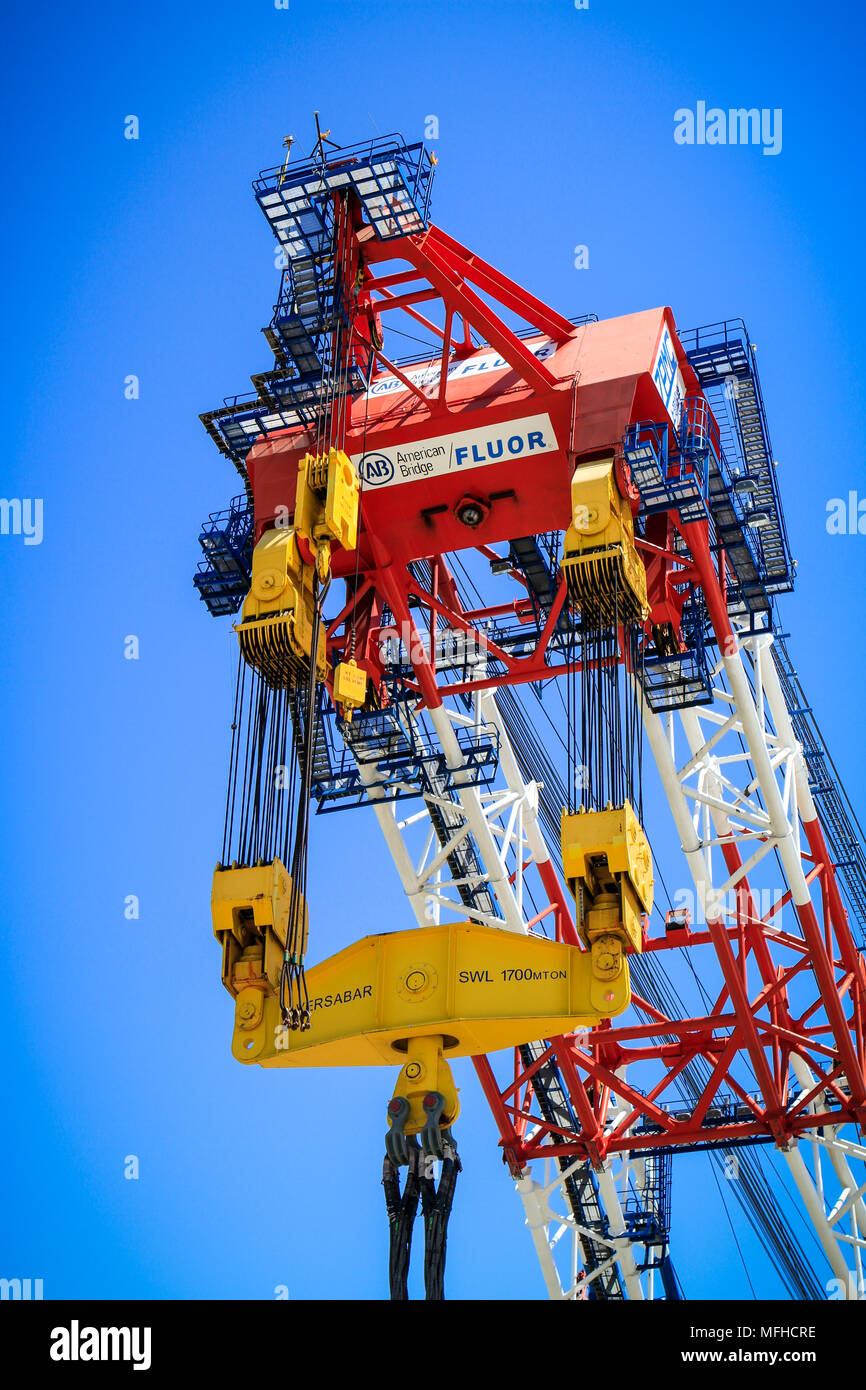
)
(262, 765)
(604, 726)
(294, 999)
(276, 713)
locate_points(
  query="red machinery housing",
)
(420, 452)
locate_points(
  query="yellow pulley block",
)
(607, 863)
(327, 499)
(278, 626)
(604, 573)
(252, 919)
(279, 613)
(478, 988)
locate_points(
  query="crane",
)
(560, 547)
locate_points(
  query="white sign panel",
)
(450, 453)
(470, 366)
(668, 379)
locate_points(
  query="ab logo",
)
(376, 469)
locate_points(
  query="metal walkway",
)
(723, 359)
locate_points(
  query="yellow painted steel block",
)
(350, 685)
(425, 1069)
(251, 910)
(276, 631)
(277, 619)
(343, 500)
(599, 556)
(277, 574)
(480, 988)
(606, 855)
(327, 498)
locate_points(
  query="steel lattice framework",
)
(589, 1123)
(784, 1034)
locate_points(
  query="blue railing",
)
(724, 360)
(226, 539)
(393, 181)
(403, 760)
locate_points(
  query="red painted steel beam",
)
(403, 301)
(445, 276)
(511, 1144)
(499, 287)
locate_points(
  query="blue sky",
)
(149, 257)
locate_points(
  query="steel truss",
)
(740, 799)
(781, 1045)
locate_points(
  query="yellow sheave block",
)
(343, 500)
(278, 574)
(327, 498)
(596, 506)
(480, 987)
(599, 553)
(263, 890)
(251, 906)
(617, 835)
(276, 629)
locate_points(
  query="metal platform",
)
(727, 1111)
(681, 680)
(671, 468)
(686, 470)
(401, 760)
(223, 577)
(676, 682)
(647, 1214)
(392, 180)
(724, 361)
